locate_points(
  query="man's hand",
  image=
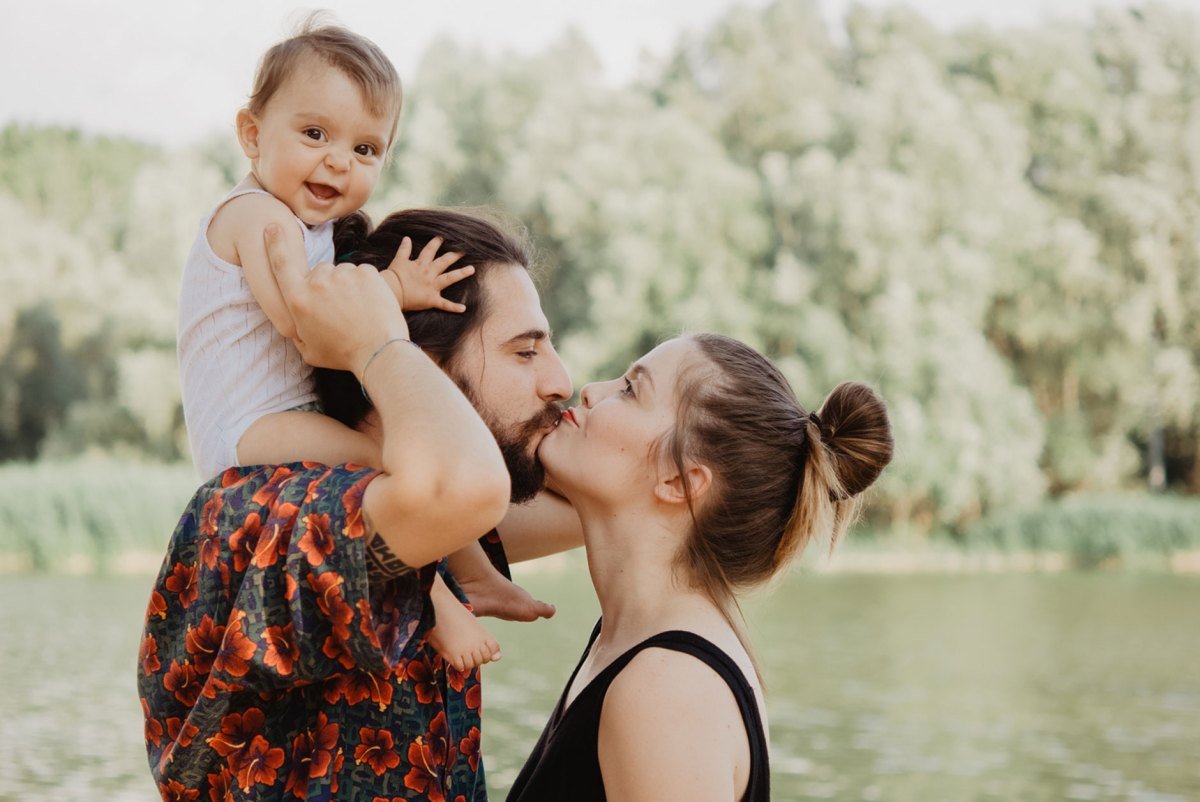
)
(422, 280)
(342, 312)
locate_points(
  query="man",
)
(285, 652)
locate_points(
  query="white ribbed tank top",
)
(234, 367)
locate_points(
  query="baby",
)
(318, 126)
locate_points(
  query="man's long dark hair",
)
(485, 242)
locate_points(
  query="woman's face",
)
(605, 447)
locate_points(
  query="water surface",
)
(1027, 688)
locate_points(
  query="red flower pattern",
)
(312, 755)
(317, 541)
(153, 728)
(237, 732)
(210, 514)
(203, 641)
(148, 654)
(258, 764)
(239, 625)
(282, 649)
(157, 608)
(473, 697)
(236, 649)
(469, 747)
(182, 582)
(174, 791)
(269, 492)
(421, 675)
(375, 748)
(181, 680)
(220, 785)
(429, 754)
(244, 541)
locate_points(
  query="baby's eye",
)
(365, 150)
(314, 133)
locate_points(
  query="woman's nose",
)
(586, 395)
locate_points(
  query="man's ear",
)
(673, 487)
(247, 133)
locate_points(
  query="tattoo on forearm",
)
(382, 562)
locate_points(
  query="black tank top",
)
(565, 765)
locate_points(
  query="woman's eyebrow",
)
(640, 371)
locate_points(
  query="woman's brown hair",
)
(782, 476)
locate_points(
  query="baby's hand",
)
(423, 279)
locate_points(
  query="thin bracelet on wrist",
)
(362, 381)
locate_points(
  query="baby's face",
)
(318, 148)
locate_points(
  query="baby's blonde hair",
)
(357, 57)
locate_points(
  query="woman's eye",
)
(365, 150)
(313, 133)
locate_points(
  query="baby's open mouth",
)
(322, 191)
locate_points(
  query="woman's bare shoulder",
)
(670, 728)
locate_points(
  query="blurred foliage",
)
(1096, 530)
(52, 512)
(998, 229)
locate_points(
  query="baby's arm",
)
(236, 235)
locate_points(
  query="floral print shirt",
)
(269, 670)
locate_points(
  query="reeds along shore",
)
(89, 516)
(109, 516)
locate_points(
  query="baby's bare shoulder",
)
(243, 219)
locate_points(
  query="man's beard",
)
(525, 469)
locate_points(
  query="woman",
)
(696, 475)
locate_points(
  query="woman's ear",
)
(247, 133)
(674, 487)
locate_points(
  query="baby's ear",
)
(247, 133)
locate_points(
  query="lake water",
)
(1024, 688)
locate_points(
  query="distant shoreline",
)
(848, 561)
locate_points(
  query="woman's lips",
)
(569, 414)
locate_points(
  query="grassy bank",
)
(1096, 531)
(112, 516)
(89, 516)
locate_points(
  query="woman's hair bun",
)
(857, 434)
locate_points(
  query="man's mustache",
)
(546, 419)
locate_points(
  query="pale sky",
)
(173, 71)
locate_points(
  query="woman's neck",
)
(631, 557)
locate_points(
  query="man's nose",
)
(555, 384)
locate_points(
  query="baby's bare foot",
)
(459, 638)
(498, 597)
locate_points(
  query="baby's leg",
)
(458, 637)
(296, 436)
(490, 593)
